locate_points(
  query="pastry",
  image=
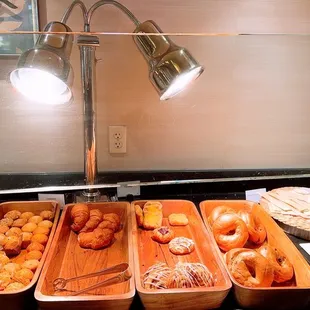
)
(139, 215)
(156, 276)
(19, 223)
(23, 276)
(3, 240)
(113, 217)
(6, 222)
(35, 254)
(26, 215)
(29, 227)
(41, 230)
(11, 268)
(35, 246)
(5, 280)
(13, 231)
(41, 238)
(152, 215)
(79, 216)
(14, 287)
(163, 234)
(3, 260)
(14, 214)
(109, 225)
(177, 219)
(19, 259)
(47, 215)
(31, 264)
(97, 239)
(157, 204)
(95, 217)
(216, 212)
(4, 229)
(26, 239)
(13, 245)
(181, 246)
(36, 219)
(46, 223)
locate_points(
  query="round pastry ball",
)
(34, 255)
(41, 230)
(33, 246)
(45, 223)
(13, 231)
(29, 227)
(11, 268)
(15, 286)
(4, 229)
(26, 215)
(41, 238)
(26, 239)
(19, 223)
(31, 264)
(35, 219)
(47, 215)
(6, 222)
(14, 214)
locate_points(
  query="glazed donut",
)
(216, 212)
(230, 232)
(283, 269)
(163, 234)
(257, 231)
(251, 269)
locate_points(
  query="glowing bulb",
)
(40, 86)
(181, 83)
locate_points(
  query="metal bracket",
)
(83, 40)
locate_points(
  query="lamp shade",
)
(44, 73)
(172, 68)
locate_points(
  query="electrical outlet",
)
(117, 139)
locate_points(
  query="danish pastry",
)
(163, 234)
(153, 215)
(176, 219)
(156, 276)
(181, 246)
(47, 215)
(14, 214)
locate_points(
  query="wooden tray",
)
(23, 299)
(67, 259)
(147, 252)
(296, 296)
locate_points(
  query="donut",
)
(163, 234)
(251, 269)
(230, 232)
(181, 246)
(216, 212)
(257, 231)
(283, 269)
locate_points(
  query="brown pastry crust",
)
(14, 214)
(139, 215)
(114, 218)
(3, 239)
(19, 223)
(46, 223)
(47, 215)
(153, 215)
(41, 230)
(4, 229)
(95, 217)
(181, 246)
(163, 234)
(34, 255)
(26, 215)
(178, 219)
(6, 222)
(13, 245)
(26, 239)
(13, 231)
(29, 227)
(109, 225)
(23, 276)
(36, 219)
(97, 239)
(41, 238)
(79, 216)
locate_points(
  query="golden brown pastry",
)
(79, 216)
(5, 280)
(158, 204)
(34, 255)
(29, 227)
(109, 225)
(35, 219)
(3, 240)
(35, 246)
(26, 239)
(95, 217)
(41, 230)
(14, 214)
(178, 219)
(23, 276)
(11, 268)
(113, 217)
(26, 215)
(47, 215)
(13, 231)
(139, 215)
(19, 223)
(6, 222)
(4, 229)
(45, 223)
(41, 238)
(153, 215)
(97, 239)
(15, 286)
(181, 246)
(156, 276)
(163, 234)
(3, 260)
(31, 264)
(13, 245)
(20, 258)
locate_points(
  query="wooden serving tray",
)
(295, 295)
(148, 252)
(67, 259)
(23, 299)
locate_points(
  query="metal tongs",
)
(124, 275)
(9, 4)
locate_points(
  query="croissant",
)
(97, 239)
(95, 217)
(79, 216)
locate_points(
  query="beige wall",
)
(250, 109)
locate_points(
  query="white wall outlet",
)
(118, 139)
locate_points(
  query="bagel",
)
(216, 212)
